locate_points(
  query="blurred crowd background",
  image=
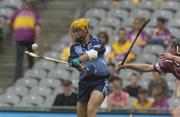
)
(48, 84)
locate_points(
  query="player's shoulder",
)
(96, 40)
(75, 45)
(167, 63)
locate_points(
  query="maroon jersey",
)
(168, 66)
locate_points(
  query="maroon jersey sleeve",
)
(164, 66)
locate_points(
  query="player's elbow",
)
(92, 54)
(148, 68)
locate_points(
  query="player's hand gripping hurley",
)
(139, 32)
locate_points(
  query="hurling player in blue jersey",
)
(87, 55)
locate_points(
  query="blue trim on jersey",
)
(105, 89)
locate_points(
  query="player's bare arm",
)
(139, 67)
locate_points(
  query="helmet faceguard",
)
(176, 43)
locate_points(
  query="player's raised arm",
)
(165, 56)
(89, 55)
(92, 54)
(139, 67)
(174, 51)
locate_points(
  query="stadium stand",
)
(36, 73)
(14, 4)
(140, 13)
(153, 49)
(27, 82)
(43, 82)
(149, 5)
(6, 12)
(118, 13)
(170, 5)
(18, 90)
(45, 65)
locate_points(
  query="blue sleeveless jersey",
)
(97, 68)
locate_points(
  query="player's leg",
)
(100, 89)
(82, 109)
(30, 58)
(82, 98)
(176, 112)
(19, 60)
(94, 103)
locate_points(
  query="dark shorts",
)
(87, 86)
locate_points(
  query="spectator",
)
(142, 103)
(118, 98)
(158, 81)
(104, 35)
(160, 100)
(161, 34)
(68, 97)
(136, 2)
(134, 86)
(137, 23)
(25, 28)
(65, 52)
(120, 48)
(115, 2)
(112, 71)
(159, 2)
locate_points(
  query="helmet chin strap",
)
(79, 39)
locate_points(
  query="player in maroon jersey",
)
(169, 63)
